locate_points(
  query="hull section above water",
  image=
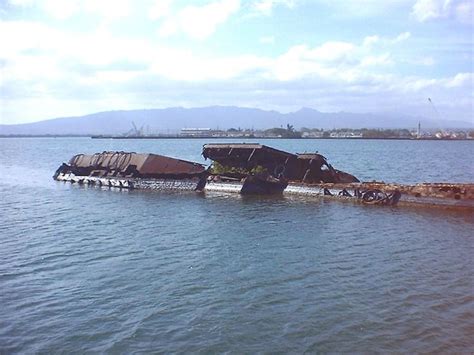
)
(253, 169)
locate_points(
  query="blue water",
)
(93, 270)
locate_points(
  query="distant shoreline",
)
(240, 138)
(292, 138)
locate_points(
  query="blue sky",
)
(73, 57)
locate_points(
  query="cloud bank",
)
(65, 58)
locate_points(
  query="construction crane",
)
(442, 133)
(434, 107)
(138, 132)
(134, 131)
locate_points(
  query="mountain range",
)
(171, 120)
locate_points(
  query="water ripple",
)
(91, 270)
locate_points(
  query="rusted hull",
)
(133, 171)
(130, 164)
(377, 194)
(383, 194)
(155, 172)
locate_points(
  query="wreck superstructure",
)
(265, 170)
(305, 168)
(253, 169)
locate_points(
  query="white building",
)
(196, 132)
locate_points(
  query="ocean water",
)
(86, 269)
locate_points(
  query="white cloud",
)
(267, 39)
(377, 60)
(185, 66)
(17, 36)
(424, 10)
(335, 61)
(332, 51)
(58, 9)
(369, 41)
(461, 10)
(465, 12)
(265, 7)
(425, 61)
(109, 9)
(22, 3)
(461, 79)
(64, 9)
(169, 28)
(417, 84)
(160, 9)
(61, 9)
(347, 64)
(363, 8)
(44, 64)
(402, 37)
(294, 64)
(33, 51)
(199, 22)
(332, 60)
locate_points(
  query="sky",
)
(73, 57)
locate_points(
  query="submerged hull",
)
(190, 184)
(123, 170)
(380, 194)
(253, 185)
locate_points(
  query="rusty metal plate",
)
(158, 164)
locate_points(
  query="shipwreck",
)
(252, 168)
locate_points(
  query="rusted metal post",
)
(251, 155)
